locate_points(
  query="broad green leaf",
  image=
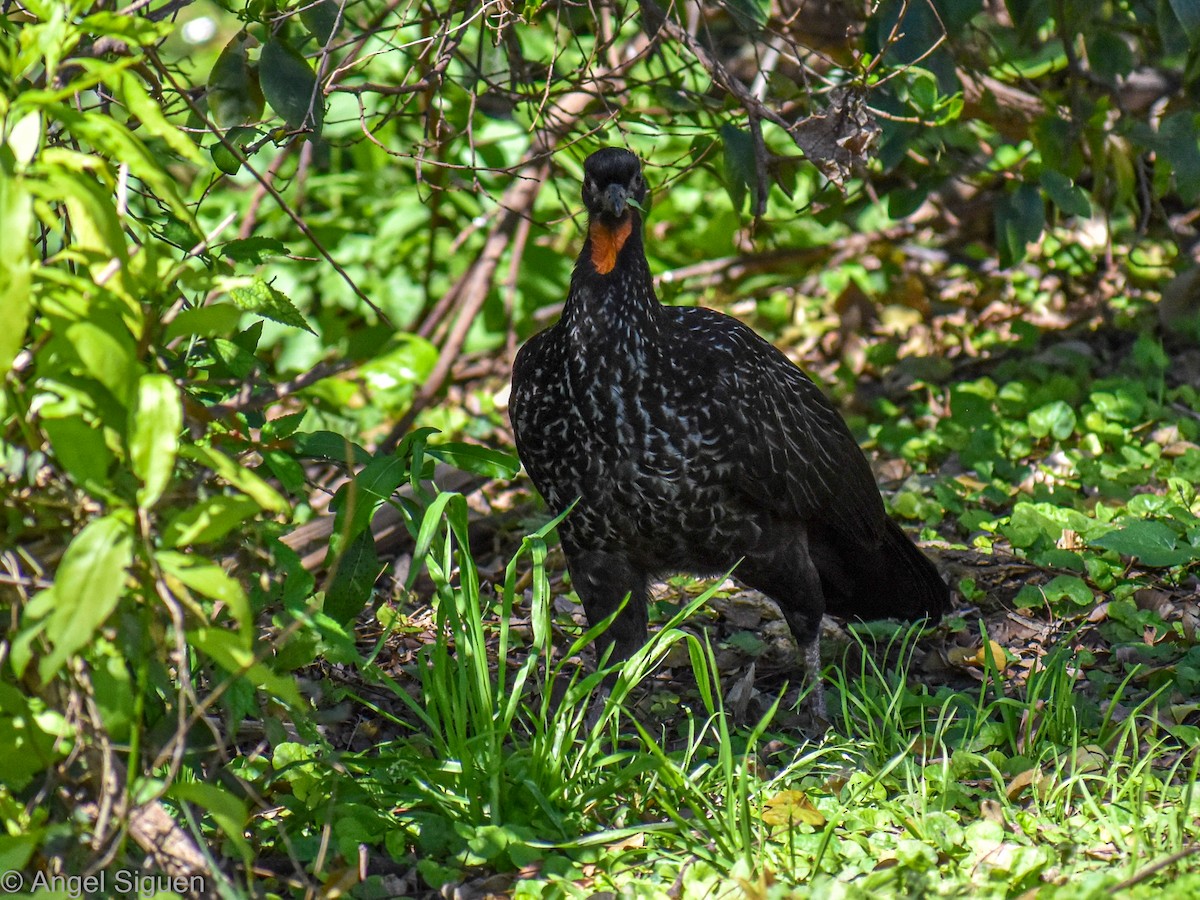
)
(208, 520)
(227, 811)
(354, 579)
(16, 212)
(1151, 543)
(409, 362)
(738, 156)
(87, 586)
(327, 445)
(207, 578)
(1068, 197)
(233, 653)
(25, 138)
(245, 480)
(750, 15)
(321, 19)
(259, 297)
(116, 142)
(154, 435)
(359, 499)
(474, 458)
(26, 750)
(215, 319)
(1057, 419)
(107, 354)
(1020, 218)
(80, 447)
(1188, 14)
(234, 95)
(256, 250)
(290, 86)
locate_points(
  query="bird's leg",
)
(603, 581)
(812, 676)
(790, 578)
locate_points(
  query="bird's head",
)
(612, 177)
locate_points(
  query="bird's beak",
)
(614, 199)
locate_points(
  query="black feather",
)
(692, 444)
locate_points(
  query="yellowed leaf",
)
(790, 807)
(976, 657)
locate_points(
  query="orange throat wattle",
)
(607, 243)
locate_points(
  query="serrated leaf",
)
(259, 297)
(87, 587)
(234, 94)
(290, 86)
(154, 435)
(1152, 543)
(354, 579)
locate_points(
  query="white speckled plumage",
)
(691, 443)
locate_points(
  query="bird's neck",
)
(612, 301)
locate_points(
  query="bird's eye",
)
(637, 180)
(590, 186)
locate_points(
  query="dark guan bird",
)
(690, 445)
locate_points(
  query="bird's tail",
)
(896, 582)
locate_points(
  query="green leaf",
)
(227, 811)
(327, 445)
(1020, 218)
(154, 435)
(1057, 419)
(321, 19)
(1152, 543)
(233, 653)
(290, 86)
(1064, 194)
(739, 170)
(474, 458)
(259, 297)
(234, 95)
(240, 477)
(213, 320)
(148, 111)
(16, 212)
(750, 15)
(208, 520)
(354, 579)
(358, 500)
(208, 579)
(223, 157)
(106, 351)
(87, 586)
(1188, 14)
(79, 446)
(256, 250)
